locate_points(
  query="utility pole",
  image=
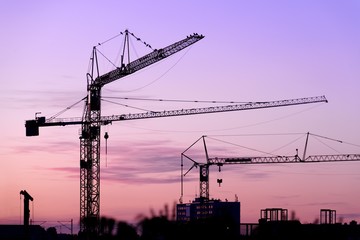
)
(27, 198)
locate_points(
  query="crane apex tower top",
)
(147, 60)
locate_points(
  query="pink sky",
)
(252, 51)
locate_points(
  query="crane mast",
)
(90, 128)
(92, 120)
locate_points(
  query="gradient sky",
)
(252, 51)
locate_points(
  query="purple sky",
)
(252, 51)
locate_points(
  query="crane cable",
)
(238, 145)
(181, 100)
(226, 129)
(124, 105)
(162, 75)
(268, 134)
(106, 136)
(64, 110)
(147, 45)
(164, 100)
(316, 136)
(121, 33)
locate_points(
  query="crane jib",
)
(147, 60)
(32, 126)
(284, 159)
(216, 109)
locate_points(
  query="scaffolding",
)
(274, 214)
(327, 216)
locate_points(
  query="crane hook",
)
(219, 181)
(106, 136)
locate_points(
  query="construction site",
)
(203, 208)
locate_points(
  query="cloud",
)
(133, 163)
(286, 197)
(349, 215)
(322, 204)
(255, 175)
(71, 172)
(52, 147)
(143, 162)
(47, 98)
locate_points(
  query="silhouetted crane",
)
(92, 121)
(220, 161)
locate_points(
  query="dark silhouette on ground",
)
(159, 227)
(163, 226)
(294, 230)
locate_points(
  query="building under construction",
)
(200, 209)
(206, 210)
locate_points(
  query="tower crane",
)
(92, 120)
(221, 161)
